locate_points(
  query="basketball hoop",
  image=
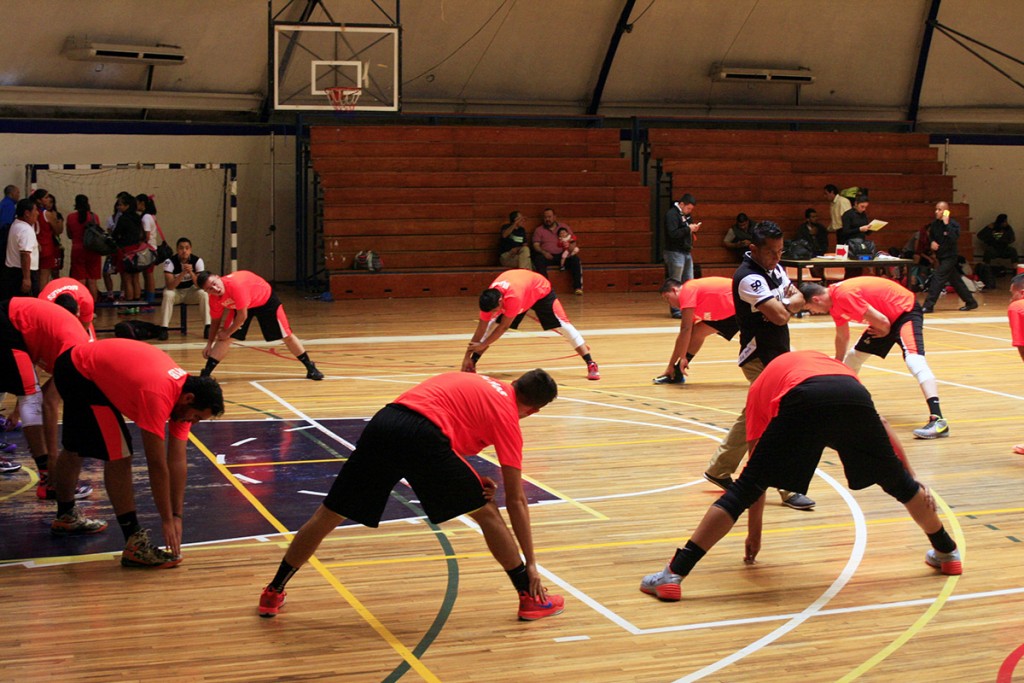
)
(343, 98)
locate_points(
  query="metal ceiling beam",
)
(94, 98)
(623, 26)
(922, 63)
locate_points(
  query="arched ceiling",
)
(542, 57)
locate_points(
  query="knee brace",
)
(854, 359)
(902, 487)
(570, 333)
(918, 367)
(31, 408)
(738, 497)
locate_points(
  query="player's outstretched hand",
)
(490, 488)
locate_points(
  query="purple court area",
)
(284, 464)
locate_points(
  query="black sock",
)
(129, 523)
(587, 359)
(304, 358)
(941, 541)
(520, 579)
(686, 558)
(933, 406)
(475, 357)
(211, 363)
(41, 462)
(689, 357)
(284, 574)
(64, 508)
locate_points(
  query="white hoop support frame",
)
(343, 98)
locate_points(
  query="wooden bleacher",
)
(431, 200)
(776, 175)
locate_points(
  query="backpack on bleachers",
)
(857, 247)
(367, 260)
(798, 249)
(852, 193)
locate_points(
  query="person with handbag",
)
(162, 251)
(132, 249)
(86, 264)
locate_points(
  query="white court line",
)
(300, 429)
(239, 443)
(247, 480)
(302, 415)
(646, 412)
(571, 639)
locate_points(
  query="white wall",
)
(990, 178)
(251, 153)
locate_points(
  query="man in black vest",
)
(944, 232)
(765, 300)
(179, 286)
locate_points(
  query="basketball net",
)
(343, 98)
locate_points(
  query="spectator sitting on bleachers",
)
(813, 232)
(998, 239)
(919, 248)
(737, 239)
(513, 251)
(548, 252)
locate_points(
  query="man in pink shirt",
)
(236, 300)
(424, 437)
(547, 251)
(504, 304)
(102, 383)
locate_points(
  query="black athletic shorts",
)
(910, 340)
(273, 322)
(790, 448)
(93, 427)
(547, 310)
(17, 372)
(399, 443)
(725, 328)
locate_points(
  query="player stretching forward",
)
(237, 299)
(787, 438)
(707, 308)
(504, 304)
(424, 437)
(893, 316)
(102, 383)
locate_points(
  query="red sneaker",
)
(271, 601)
(946, 563)
(531, 608)
(592, 371)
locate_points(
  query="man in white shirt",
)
(838, 205)
(21, 263)
(179, 286)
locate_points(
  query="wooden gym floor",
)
(838, 593)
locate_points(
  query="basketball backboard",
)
(311, 57)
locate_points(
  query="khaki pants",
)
(189, 295)
(520, 260)
(730, 452)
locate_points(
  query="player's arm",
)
(519, 514)
(240, 315)
(878, 324)
(682, 342)
(215, 322)
(177, 465)
(478, 344)
(842, 340)
(160, 485)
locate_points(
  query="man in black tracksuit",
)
(944, 232)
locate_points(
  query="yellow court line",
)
(351, 599)
(32, 479)
(929, 614)
(554, 492)
(282, 462)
